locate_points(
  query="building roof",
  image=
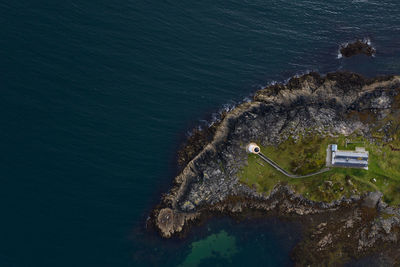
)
(350, 161)
(350, 154)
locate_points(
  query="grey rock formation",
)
(371, 199)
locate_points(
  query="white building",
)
(349, 159)
(253, 148)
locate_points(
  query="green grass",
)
(308, 154)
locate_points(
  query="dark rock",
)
(357, 47)
(195, 143)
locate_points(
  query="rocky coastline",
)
(335, 232)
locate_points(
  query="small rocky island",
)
(356, 48)
(347, 213)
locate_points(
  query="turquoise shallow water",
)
(97, 95)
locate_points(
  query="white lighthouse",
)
(253, 148)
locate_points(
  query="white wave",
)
(227, 107)
(247, 99)
(366, 40)
(339, 54)
(298, 75)
(217, 116)
(301, 73)
(273, 82)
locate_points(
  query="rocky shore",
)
(336, 232)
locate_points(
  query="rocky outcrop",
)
(366, 226)
(356, 48)
(169, 221)
(209, 182)
(196, 142)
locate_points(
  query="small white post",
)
(253, 148)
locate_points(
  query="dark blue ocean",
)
(96, 97)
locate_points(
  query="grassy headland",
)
(308, 154)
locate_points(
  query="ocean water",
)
(96, 97)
